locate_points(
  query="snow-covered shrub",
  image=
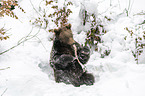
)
(94, 33)
(58, 16)
(61, 14)
(137, 35)
(3, 35)
(7, 7)
(91, 24)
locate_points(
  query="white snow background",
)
(27, 72)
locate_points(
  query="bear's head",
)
(64, 34)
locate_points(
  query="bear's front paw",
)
(84, 54)
(85, 50)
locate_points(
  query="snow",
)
(26, 67)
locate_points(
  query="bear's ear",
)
(68, 26)
(56, 31)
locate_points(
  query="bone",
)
(76, 57)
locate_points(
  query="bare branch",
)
(41, 43)
(34, 8)
(4, 91)
(21, 41)
(5, 68)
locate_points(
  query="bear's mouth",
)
(71, 41)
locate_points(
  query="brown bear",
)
(66, 60)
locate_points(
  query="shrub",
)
(3, 35)
(95, 33)
(7, 7)
(138, 35)
(59, 17)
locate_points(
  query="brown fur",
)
(64, 34)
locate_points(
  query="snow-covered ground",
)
(26, 71)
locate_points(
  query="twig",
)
(119, 4)
(4, 91)
(5, 68)
(141, 13)
(41, 43)
(20, 42)
(108, 9)
(101, 2)
(110, 2)
(39, 5)
(129, 7)
(26, 36)
(34, 8)
(8, 30)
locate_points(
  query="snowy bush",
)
(58, 16)
(7, 7)
(137, 36)
(3, 35)
(95, 33)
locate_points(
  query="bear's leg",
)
(57, 75)
(74, 80)
(87, 79)
(61, 76)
